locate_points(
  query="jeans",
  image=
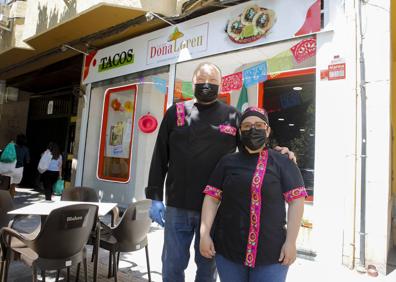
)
(49, 178)
(230, 271)
(180, 227)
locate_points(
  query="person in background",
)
(245, 203)
(192, 138)
(22, 158)
(54, 171)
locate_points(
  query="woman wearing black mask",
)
(246, 194)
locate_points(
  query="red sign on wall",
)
(336, 71)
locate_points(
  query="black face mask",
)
(254, 138)
(206, 92)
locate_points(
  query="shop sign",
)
(119, 59)
(248, 24)
(169, 47)
(336, 71)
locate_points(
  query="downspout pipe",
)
(363, 155)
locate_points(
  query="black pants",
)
(49, 178)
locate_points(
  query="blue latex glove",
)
(157, 212)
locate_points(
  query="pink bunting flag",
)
(304, 49)
(231, 82)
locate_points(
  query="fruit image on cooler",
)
(116, 105)
(251, 25)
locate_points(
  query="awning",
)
(16, 61)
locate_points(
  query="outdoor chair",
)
(130, 234)
(59, 244)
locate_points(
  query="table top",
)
(45, 208)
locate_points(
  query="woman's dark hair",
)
(54, 148)
(21, 140)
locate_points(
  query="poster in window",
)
(116, 135)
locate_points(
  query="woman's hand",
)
(288, 253)
(285, 150)
(206, 246)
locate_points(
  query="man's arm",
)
(159, 162)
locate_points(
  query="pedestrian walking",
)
(53, 168)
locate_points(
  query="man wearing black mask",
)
(192, 138)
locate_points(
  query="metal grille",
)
(40, 107)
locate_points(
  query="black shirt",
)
(188, 153)
(231, 183)
(22, 156)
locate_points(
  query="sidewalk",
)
(133, 265)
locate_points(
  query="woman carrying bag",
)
(54, 170)
(247, 194)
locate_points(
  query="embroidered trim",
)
(180, 115)
(255, 209)
(228, 129)
(295, 194)
(213, 192)
(256, 109)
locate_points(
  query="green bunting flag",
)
(243, 101)
(187, 90)
(281, 62)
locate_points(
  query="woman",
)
(246, 194)
(54, 171)
(22, 158)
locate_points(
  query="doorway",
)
(289, 98)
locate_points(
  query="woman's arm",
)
(294, 215)
(209, 210)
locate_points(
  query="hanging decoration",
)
(243, 101)
(281, 62)
(187, 90)
(160, 84)
(255, 74)
(147, 123)
(304, 49)
(231, 82)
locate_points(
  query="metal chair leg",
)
(118, 260)
(34, 279)
(114, 266)
(93, 253)
(148, 263)
(85, 270)
(57, 276)
(43, 275)
(110, 268)
(68, 274)
(78, 272)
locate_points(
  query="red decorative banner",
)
(231, 82)
(312, 20)
(304, 49)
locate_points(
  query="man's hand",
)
(157, 212)
(288, 253)
(285, 150)
(206, 246)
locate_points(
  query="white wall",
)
(149, 99)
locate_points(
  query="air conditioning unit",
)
(4, 15)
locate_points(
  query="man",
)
(192, 138)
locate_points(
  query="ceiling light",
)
(297, 88)
(302, 129)
(291, 124)
(312, 135)
(281, 119)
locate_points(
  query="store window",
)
(116, 133)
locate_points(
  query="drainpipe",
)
(363, 155)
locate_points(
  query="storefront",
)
(295, 58)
